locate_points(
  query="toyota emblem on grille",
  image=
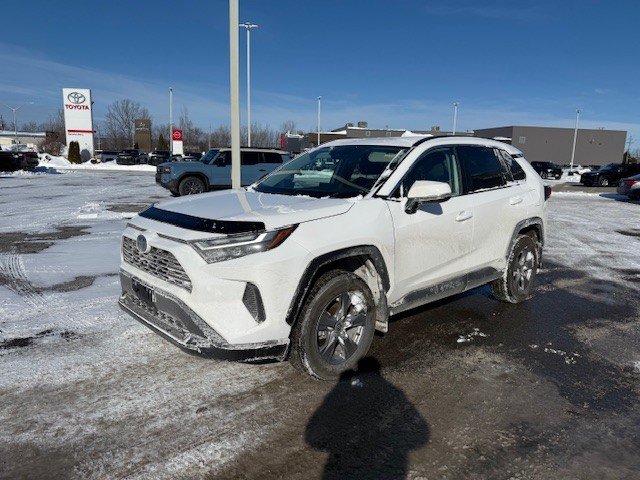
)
(142, 244)
(76, 97)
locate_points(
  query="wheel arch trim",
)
(306, 281)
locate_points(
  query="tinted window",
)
(250, 158)
(438, 165)
(514, 170)
(272, 157)
(482, 166)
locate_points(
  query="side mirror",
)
(426, 191)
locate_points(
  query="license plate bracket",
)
(145, 294)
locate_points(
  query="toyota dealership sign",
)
(78, 118)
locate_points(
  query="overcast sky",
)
(397, 63)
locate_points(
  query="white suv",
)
(308, 262)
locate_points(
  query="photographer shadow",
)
(367, 425)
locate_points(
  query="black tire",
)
(558, 176)
(603, 181)
(326, 357)
(516, 284)
(174, 193)
(191, 186)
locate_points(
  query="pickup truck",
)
(12, 161)
(213, 170)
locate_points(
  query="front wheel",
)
(603, 181)
(336, 326)
(191, 186)
(516, 284)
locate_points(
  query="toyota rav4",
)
(310, 261)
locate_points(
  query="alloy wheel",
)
(523, 269)
(340, 327)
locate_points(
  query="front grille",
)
(156, 262)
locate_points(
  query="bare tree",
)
(288, 126)
(120, 119)
(262, 136)
(56, 134)
(221, 136)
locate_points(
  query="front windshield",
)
(207, 157)
(609, 166)
(340, 171)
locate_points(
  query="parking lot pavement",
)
(464, 388)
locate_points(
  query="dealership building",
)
(549, 144)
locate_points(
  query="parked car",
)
(131, 157)
(192, 156)
(576, 170)
(11, 161)
(630, 187)
(159, 156)
(213, 170)
(547, 169)
(610, 174)
(103, 156)
(305, 264)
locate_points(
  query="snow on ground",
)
(61, 163)
(95, 369)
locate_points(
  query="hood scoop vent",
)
(188, 222)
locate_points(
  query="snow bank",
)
(61, 163)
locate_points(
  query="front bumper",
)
(171, 318)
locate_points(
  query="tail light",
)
(547, 192)
(630, 182)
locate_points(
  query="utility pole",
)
(234, 87)
(455, 117)
(575, 137)
(248, 26)
(171, 119)
(319, 107)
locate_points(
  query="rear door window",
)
(251, 158)
(483, 170)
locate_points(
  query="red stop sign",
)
(177, 135)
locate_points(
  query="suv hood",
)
(273, 210)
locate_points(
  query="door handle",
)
(262, 170)
(464, 215)
(515, 200)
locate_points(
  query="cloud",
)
(602, 91)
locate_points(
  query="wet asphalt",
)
(467, 387)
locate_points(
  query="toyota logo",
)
(142, 244)
(76, 97)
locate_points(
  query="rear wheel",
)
(191, 186)
(517, 282)
(603, 181)
(336, 326)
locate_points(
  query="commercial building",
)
(548, 144)
(7, 138)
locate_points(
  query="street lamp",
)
(455, 117)
(319, 106)
(15, 123)
(248, 26)
(575, 136)
(234, 93)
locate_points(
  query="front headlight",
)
(166, 169)
(226, 248)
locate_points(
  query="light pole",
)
(455, 117)
(248, 26)
(575, 136)
(171, 119)
(234, 91)
(319, 107)
(15, 123)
